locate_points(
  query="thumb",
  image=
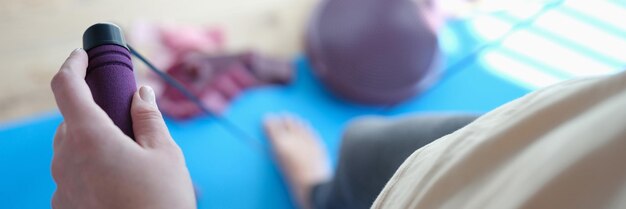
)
(148, 124)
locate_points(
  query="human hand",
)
(95, 165)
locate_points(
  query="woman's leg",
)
(371, 151)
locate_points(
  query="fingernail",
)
(147, 94)
(77, 50)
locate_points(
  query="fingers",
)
(59, 136)
(148, 124)
(72, 94)
(56, 200)
(60, 200)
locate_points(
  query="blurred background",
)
(38, 35)
(489, 52)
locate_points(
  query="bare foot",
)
(300, 154)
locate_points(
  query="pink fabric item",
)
(184, 39)
(165, 43)
(217, 80)
(190, 55)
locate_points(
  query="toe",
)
(272, 125)
(285, 125)
(283, 119)
(294, 123)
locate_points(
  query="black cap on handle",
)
(103, 33)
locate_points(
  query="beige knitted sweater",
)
(559, 147)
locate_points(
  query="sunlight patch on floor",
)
(561, 44)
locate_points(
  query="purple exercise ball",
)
(378, 52)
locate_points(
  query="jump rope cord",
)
(222, 121)
(241, 134)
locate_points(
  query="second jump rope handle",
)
(110, 74)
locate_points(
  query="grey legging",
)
(372, 149)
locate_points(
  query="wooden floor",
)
(37, 35)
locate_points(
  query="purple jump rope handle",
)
(112, 82)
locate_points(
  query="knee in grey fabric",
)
(372, 149)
